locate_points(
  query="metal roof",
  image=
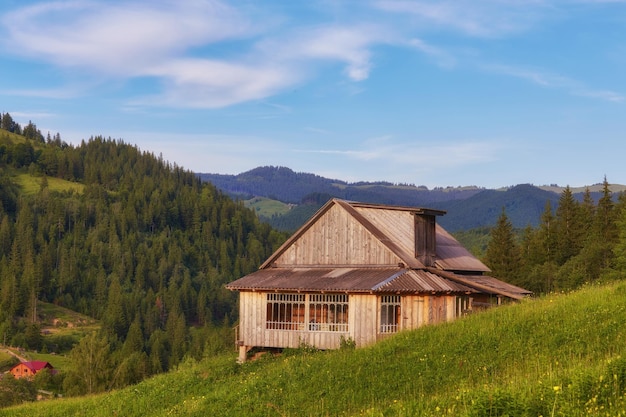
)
(452, 256)
(354, 280)
(397, 223)
(497, 285)
(457, 270)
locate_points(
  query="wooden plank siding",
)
(363, 321)
(337, 239)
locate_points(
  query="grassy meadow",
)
(32, 184)
(561, 355)
(267, 207)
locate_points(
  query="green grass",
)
(267, 207)
(563, 355)
(6, 361)
(31, 184)
(8, 138)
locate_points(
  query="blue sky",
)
(435, 93)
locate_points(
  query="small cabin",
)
(30, 369)
(361, 272)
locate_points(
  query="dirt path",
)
(10, 352)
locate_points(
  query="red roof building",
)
(29, 369)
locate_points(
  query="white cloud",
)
(418, 154)
(549, 80)
(212, 84)
(178, 44)
(118, 38)
(491, 18)
(335, 43)
(443, 58)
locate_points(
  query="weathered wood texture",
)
(337, 239)
(363, 321)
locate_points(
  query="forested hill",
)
(283, 184)
(125, 237)
(467, 207)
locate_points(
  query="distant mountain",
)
(523, 205)
(283, 184)
(467, 207)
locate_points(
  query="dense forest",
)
(576, 243)
(145, 248)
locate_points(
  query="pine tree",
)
(502, 255)
(547, 236)
(569, 227)
(619, 250)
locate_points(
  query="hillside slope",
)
(126, 238)
(562, 356)
(523, 205)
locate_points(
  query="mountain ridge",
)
(467, 207)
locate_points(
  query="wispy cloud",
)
(348, 44)
(549, 80)
(413, 154)
(62, 93)
(442, 57)
(204, 83)
(212, 54)
(178, 44)
(490, 18)
(119, 38)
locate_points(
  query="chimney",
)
(425, 238)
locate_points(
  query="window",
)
(463, 306)
(285, 311)
(328, 312)
(389, 313)
(322, 312)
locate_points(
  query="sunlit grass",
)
(32, 184)
(267, 207)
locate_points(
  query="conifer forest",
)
(129, 239)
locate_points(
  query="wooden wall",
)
(337, 239)
(363, 321)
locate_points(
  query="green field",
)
(563, 355)
(32, 184)
(266, 207)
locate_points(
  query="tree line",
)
(145, 248)
(576, 243)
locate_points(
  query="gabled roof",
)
(35, 366)
(393, 227)
(455, 269)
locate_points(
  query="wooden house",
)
(29, 369)
(360, 272)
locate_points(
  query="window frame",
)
(318, 312)
(285, 311)
(390, 316)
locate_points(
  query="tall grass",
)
(562, 355)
